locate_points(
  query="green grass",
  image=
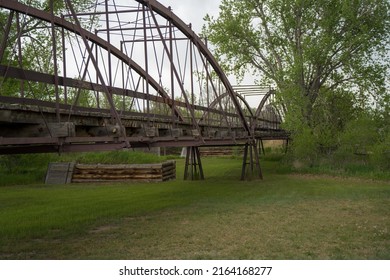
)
(284, 216)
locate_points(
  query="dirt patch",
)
(335, 177)
(102, 229)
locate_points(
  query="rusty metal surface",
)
(144, 79)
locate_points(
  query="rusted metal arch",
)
(261, 108)
(189, 33)
(13, 5)
(162, 11)
(254, 116)
(220, 98)
(166, 13)
(263, 101)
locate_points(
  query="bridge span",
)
(121, 74)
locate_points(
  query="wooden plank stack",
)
(158, 172)
(217, 151)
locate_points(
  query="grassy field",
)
(284, 216)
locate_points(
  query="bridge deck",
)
(27, 128)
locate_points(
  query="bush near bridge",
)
(363, 142)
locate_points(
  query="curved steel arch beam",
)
(261, 107)
(42, 15)
(189, 33)
(262, 103)
(219, 99)
(239, 96)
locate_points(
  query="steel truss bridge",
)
(121, 74)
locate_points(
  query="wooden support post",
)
(286, 146)
(254, 162)
(193, 169)
(261, 146)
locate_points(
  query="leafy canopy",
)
(328, 59)
(305, 44)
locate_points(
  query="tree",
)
(28, 44)
(306, 47)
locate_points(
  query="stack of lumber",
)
(157, 172)
(216, 151)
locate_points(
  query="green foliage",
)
(35, 51)
(304, 43)
(359, 135)
(303, 148)
(119, 157)
(328, 59)
(381, 154)
(359, 146)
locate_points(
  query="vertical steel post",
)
(192, 75)
(207, 86)
(55, 65)
(123, 80)
(97, 76)
(64, 61)
(146, 64)
(109, 44)
(20, 54)
(170, 55)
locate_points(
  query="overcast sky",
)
(193, 11)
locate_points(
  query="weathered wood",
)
(65, 129)
(168, 168)
(107, 130)
(217, 151)
(118, 166)
(124, 172)
(169, 163)
(119, 171)
(121, 180)
(167, 178)
(114, 177)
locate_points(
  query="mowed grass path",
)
(284, 216)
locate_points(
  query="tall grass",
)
(344, 165)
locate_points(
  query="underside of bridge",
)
(121, 74)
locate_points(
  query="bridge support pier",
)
(261, 146)
(251, 166)
(193, 169)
